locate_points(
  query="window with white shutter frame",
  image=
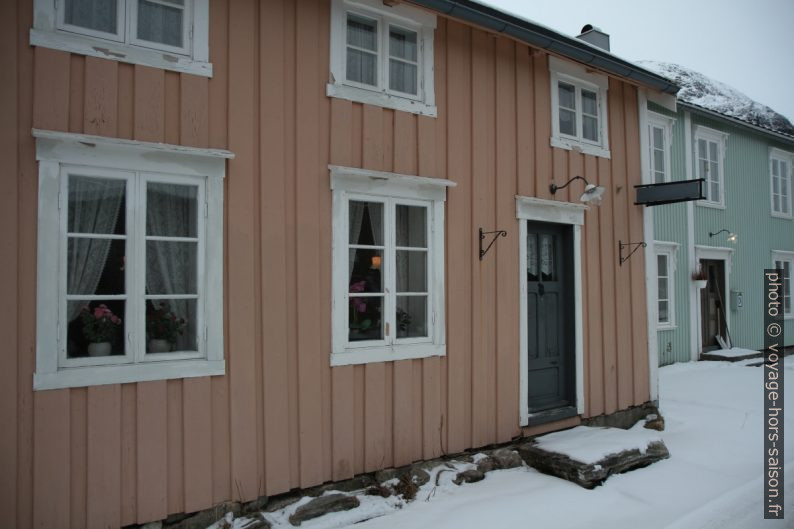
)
(780, 180)
(709, 154)
(784, 261)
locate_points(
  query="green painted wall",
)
(747, 213)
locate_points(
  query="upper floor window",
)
(169, 34)
(780, 182)
(709, 157)
(660, 132)
(382, 55)
(579, 108)
(388, 293)
(784, 261)
(129, 261)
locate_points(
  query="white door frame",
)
(717, 253)
(537, 209)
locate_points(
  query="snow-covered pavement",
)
(713, 414)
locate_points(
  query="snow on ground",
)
(711, 94)
(713, 412)
(733, 352)
(589, 445)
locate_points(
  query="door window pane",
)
(547, 260)
(161, 22)
(532, 257)
(98, 15)
(411, 317)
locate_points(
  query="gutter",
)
(539, 36)
(740, 122)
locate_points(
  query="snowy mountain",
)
(708, 93)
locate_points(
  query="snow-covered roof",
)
(702, 91)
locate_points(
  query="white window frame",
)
(390, 188)
(788, 158)
(137, 162)
(403, 16)
(50, 31)
(782, 255)
(576, 75)
(665, 123)
(720, 138)
(670, 251)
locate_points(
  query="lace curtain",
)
(356, 216)
(99, 15)
(94, 206)
(160, 23)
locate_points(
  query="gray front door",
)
(550, 325)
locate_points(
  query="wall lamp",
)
(732, 237)
(592, 193)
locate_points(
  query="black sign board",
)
(669, 192)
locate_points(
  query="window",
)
(382, 55)
(579, 120)
(660, 131)
(780, 182)
(785, 261)
(388, 294)
(130, 257)
(709, 154)
(665, 272)
(136, 31)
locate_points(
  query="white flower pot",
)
(701, 283)
(159, 346)
(100, 349)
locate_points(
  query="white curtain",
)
(92, 14)
(94, 206)
(362, 65)
(171, 265)
(159, 23)
(356, 216)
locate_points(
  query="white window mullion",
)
(390, 256)
(138, 272)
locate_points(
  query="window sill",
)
(712, 205)
(116, 51)
(122, 374)
(782, 216)
(381, 99)
(366, 355)
(584, 148)
(666, 327)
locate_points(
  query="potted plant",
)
(700, 277)
(163, 327)
(99, 326)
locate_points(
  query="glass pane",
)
(171, 325)
(96, 205)
(567, 122)
(95, 266)
(532, 257)
(95, 328)
(715, 192)
(712, 151)
(590, 128)
(99, 15)
(702, 149)
(784, 185)
(402, 43)
(659, 177)
(366, 270)
(366, 223)
(362, 32)
(547, 264)
(412, 226)
(161, 23)
(714, 174)
(784, 170)
(663, 288)
(661, 265)
(411, 271)
(775, 202)
(402, 76)
(775, 167)
(411, 316)
(362, 67)
(171, 267)
(658, 160)
(567, 95)
(589, 102)
(171, 210)
(775, 185)
(664, 316)
(365, 319)
(658, 138)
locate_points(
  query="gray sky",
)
(747, 44)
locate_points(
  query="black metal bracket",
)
(636, 245)
(498, 233)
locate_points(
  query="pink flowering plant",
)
(162, 324)
(99, 323)
(358, 308)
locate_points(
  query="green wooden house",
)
(745, 153)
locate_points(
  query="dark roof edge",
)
(542, 37)
(742, 123)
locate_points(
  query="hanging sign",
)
(669, 192)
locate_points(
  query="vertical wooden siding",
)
(107, 456)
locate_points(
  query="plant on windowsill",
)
(99, 326)
(700, 277)
(359, 320)
(163, 328)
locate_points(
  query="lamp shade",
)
(592, 194)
